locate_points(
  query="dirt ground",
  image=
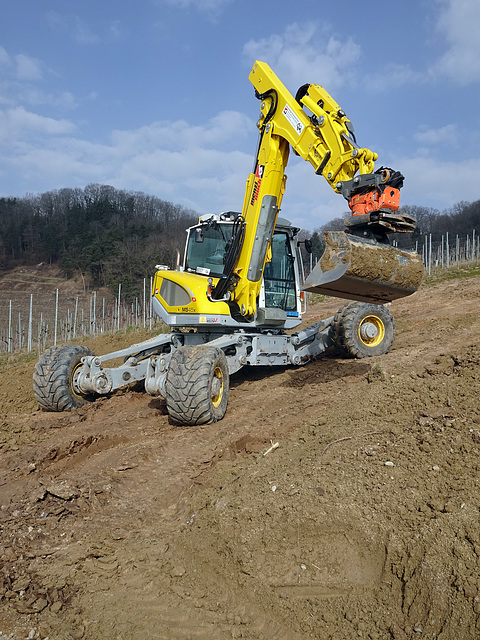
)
(364, 522)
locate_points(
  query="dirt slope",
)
(363, 523)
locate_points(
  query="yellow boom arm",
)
(324, 138)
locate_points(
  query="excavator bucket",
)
(362, 269)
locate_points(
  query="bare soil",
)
(363, 523)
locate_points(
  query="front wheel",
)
(362, 330)
(54, 378)
(197, 385)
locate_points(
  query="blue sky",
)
(153, 95)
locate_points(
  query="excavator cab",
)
(206, 254)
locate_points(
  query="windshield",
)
(207, 245)
(279, 275)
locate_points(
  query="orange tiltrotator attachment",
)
(389, 198)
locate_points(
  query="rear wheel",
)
(54, 378)
(197, 385)
(362, 330)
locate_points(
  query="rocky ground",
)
(363, 522)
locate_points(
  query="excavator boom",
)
(318, 130)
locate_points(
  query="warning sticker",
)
(293, 119)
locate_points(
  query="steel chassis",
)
(149, 360)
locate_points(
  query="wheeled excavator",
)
(239, 297)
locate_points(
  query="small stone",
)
(274, 487)
(470, 590)
(389, 463)
(178, 571)
(436, 468)
(39, 605)
(21, 584)
(62, 490)
(418, 629)
(31, 634)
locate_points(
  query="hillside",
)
(362, 523)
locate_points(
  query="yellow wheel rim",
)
(73, 386)
(371, 331)
(217, 387)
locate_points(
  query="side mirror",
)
(199, 236)
(308, 246)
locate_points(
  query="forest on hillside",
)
(110, 236)
(105, 234)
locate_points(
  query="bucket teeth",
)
(362, 269)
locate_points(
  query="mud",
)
(394, 266)
(372, 262)
(362, 523)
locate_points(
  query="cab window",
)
(206, 249)
(279, 275)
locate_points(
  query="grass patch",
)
(454, 273)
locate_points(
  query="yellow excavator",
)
(239, 297)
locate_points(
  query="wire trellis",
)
(38, 321)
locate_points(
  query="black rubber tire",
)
(53, 378)
(197, 385)
(350, 330)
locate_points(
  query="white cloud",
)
(458, 24)
(226, 125)
(438, 183)
(20, 67)
(309, 201)
(444, 135)
(18, 123)
(20, 76)
(185, 162)
(28, 68)
(393, 76)
(82, 32)
(301, 55)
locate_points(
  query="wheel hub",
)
(216, 387)
(368, 331)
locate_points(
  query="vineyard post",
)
(75, 319)
(30, 325)
(151, 303)
(10, 328)
(430, 255)
(94, 313)
(144, 303)
(118, 316)
(56, 319)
